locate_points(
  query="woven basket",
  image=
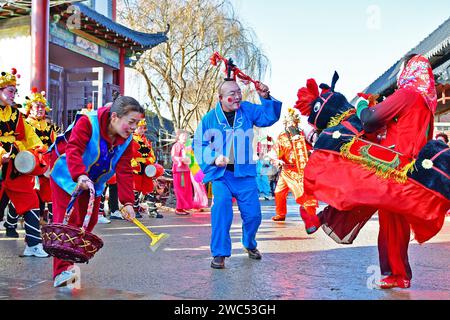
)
(71, 243)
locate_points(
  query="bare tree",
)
(178, 74)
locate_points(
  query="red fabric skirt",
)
(20, 191)
(45, 191)
(346, 185)
(143, 184)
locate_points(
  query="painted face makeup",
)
(126, 125)
(231, 96)
(7, 95)
(37, 111)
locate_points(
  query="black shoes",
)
(11, 233)
(218, 263)
(254, 254)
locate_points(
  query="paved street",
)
(294, 265)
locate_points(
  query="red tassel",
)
(34, 90)
(13, 71)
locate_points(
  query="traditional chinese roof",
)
(17, 8)
(90, 21)
(114, 33)
(435, 47)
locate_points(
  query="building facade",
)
(73, 50)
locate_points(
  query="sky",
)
(360, 39)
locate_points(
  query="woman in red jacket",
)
(99, 145)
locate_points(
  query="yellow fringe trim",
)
(381, 168)
(340, 117)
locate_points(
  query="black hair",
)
(442, 135)
(115, 95)
(123, 105)
(408, 57)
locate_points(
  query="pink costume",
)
(181, 178)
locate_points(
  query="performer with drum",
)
(144, 169)
(36, 106)
(21, 151)
(91, 150)
(291, 154)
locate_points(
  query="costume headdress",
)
(418, 76)
(142, 123)
(9, 78)
(326, 109)
(292, 115)
(35, 97)
(232, 71)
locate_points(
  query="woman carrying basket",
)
(92, 149)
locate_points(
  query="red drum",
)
(154, 170)
(27, 162)
(159, 170)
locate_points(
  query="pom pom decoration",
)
(9, 79)
(306, 96)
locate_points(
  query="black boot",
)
(11, 233)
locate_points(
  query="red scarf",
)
(418, 76)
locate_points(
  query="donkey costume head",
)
(326, 109)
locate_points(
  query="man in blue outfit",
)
(223, 149)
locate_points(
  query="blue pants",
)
(246, 193)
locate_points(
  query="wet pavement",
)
(294, 266)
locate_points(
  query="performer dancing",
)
(143, 156)
(98, 146)
(408, 116)
(290, 153)
(17, 135)
(404, 177)
(223, 149)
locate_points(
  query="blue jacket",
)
(100, 163)
(214, 137)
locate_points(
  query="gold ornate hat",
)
(142, 123)
(35, 97)
(292, 115)
(9, 78)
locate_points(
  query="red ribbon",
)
(216, 58)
